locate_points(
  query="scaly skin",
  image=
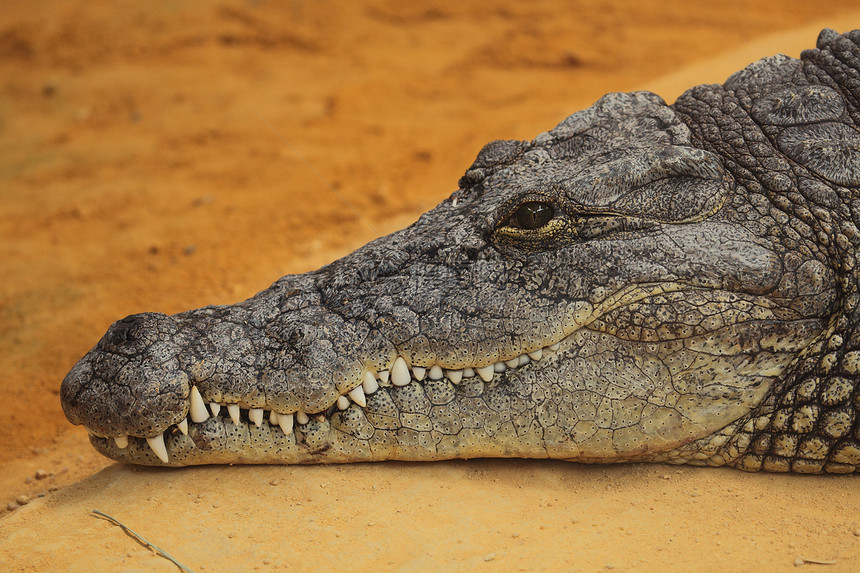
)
(643, 282)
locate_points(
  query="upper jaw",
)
(153, 376)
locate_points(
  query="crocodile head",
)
(611, 291)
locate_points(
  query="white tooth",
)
(435, 372)
(454, 375)
(555, 346)
(273, 418)
(121, 441)
(400, 373)
(215, 407)
(512, 363)
(468, 372)
(199, 413)
(157, 445)
(301, 418)
(486, 373)
(256, 416)
(383, 376)
(537, 354)
(183, 426)
(285, 421)
(342, 402)
(499, 367)
(233, 409)
(320, 417)
(357, 395)
(419, 372)
(369, 383)
(524, 359)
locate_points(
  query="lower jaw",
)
(219, 441)
(370, 434)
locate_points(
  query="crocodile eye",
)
(533, 215)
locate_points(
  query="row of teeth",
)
(399, 375)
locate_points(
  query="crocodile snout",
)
(131, 382)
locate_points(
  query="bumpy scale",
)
(644, 282)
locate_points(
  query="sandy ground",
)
(170, 156)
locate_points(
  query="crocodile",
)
(644, 282)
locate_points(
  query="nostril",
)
(133, 334)
(119, 332)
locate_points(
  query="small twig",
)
(143, 541)
(804, 560)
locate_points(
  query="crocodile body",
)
(644, 282)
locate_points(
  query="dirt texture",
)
(167, 155)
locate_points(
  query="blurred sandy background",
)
(143, 167)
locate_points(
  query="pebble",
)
(41, 474)
(489, 557)
(22, 499)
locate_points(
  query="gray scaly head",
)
(642, 283)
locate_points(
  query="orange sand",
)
(143, 166)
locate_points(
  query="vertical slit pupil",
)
(533, 214)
